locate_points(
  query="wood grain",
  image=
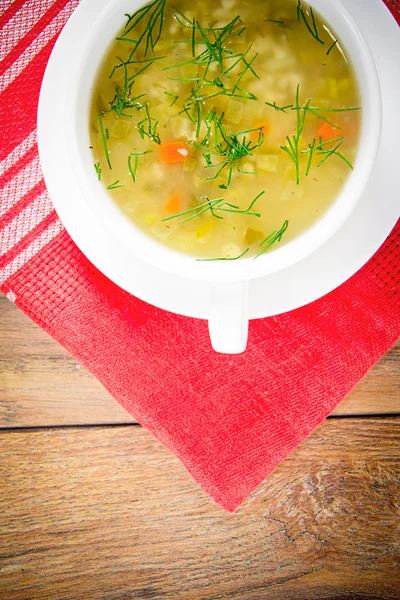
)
(32, 364)
(108, 513)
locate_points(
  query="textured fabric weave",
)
(230, 419)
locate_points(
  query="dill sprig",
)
(224, 258)
(215, 40)
(272, 238)
(123, 100)
(148, 127)
(311, 26)
(230, 147)
(153, 14)
(104, 140)
(135, 156)
(217, 205)
(321, 150)
(279, 108)
(98, 170)
(125, 64)
(292, 146)
(115, 185)
(310, 157)
(331, 47)
(175, 98)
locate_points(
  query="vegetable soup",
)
(225, 128)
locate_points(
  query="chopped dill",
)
(228, 147)
(98, 170)
(272, 238)
(292, 146)
(218, 205)
(328, 153)
(278, 21)
(279, 108)
(154, 13)
(310, 157)
(115, 185)
(224, 258)
(312, 27)
(331, 47)
(104, 140)
(148, 127)
(124, 39)
(175, 98)
(321, 150)
(133, 169)
(216, 51)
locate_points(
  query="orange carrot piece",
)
(264, 127)
(173, 205)
(173, 152)
(328, 132)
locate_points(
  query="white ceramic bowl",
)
(103, 30)
(228, 308)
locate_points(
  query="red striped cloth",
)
(230, 420)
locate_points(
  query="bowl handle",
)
(228, 320)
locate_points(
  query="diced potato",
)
(248, 167)
(182, 127)
(333, 88)
(292, 191)
(174, 27)
(252, 235)
(162, 230)
(157, 172)
(234, 112)
(189, 164)
(203, 229)
(188, 70)
(156, 93)
(268, 162)
(228, 4)
(120, 129)
(344, 85)
(198, 181)
(151, 218)
(231, 251)
(163, 112)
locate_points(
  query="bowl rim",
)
(160, 256)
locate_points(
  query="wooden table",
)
(92, 507)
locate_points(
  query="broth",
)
(234, 133)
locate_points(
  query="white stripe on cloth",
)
(18, 152)
(37, 45)
(24, 222)
(21, 184)
(4, 4)
(21, 23)
(11, 296)
(30, 251)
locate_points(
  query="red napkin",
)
(230, 419)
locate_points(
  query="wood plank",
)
(42, 384)
(109, 513)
